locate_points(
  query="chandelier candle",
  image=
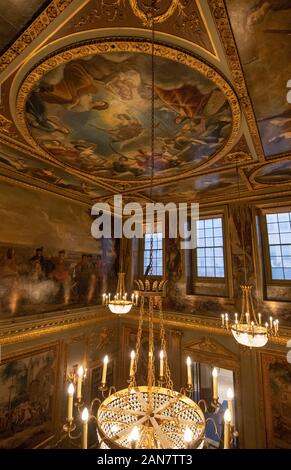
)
(230, 396)
(132, 359)
(85, 417)
(80, 375)
(71, 391)
(104, 371)
(227, 419)
(189, 375)
(215, 384)
(161, 364)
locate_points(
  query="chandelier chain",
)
(152, 124)
(168, 379)
(242, 231)
(138, 342)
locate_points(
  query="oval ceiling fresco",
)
(93, 113)
(274, 173)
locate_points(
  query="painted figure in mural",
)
(100, 271)
(47, 265)
(29, 384)
(9, 279)
(260, 10)
(61, 274)
(82, 277)
(38, 118)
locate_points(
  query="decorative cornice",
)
(30, 328)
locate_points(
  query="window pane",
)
(285, 237)
(218, 251)
(275, 250)
(201, 242)
(273, 228)
(219, 262)
(287, 273)
(200, 224)
(201, 272)
(210, 272)
(287, 262)
(208, 232)
(276, 262)
(274, 239)
(277, 273)
(279, 236)
(208, 223)
(208, 241)
(272, 218)
(286, 250)
(217, 222)
(218, 232)
(209, 262)
(219, 272)
(218, 241)
(284, 227)
(284, 216)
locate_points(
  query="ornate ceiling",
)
(75, 107)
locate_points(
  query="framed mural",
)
(276, 388)
(39, 280)
(28, 386)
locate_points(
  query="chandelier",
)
(119, 304)
(248, 329)
(149, 416)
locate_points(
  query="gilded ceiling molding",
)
(5, 127)
(220, 16)
(53, 10)
(137, 46)
(30, 329)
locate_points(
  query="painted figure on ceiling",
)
(260, 10)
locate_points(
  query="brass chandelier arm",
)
(166, 444)
(126, 431)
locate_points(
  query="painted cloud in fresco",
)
(94, 114)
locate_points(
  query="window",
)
(279, 238)
(210, 250)
(157, 239)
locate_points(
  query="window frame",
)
(267, 268)
(216, 280)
